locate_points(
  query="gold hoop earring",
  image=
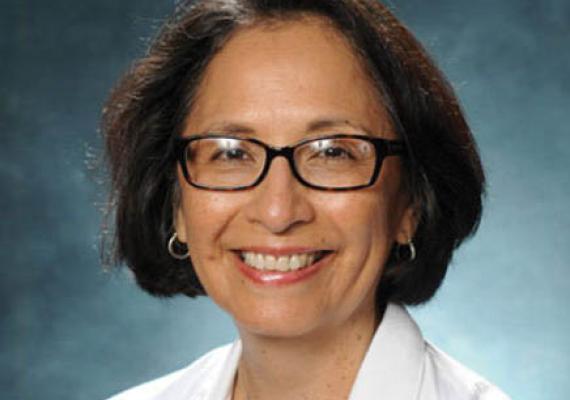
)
(412, 250)
(171, 243)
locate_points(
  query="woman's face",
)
(280, 84)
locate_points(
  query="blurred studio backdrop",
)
(69, 330)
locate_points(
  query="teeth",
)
(268, 262)
(282, 263)
(258, 260)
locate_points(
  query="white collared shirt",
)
(399, 365)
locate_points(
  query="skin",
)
(273, 83)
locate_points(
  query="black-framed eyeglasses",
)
(333, 162)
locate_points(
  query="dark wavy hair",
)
(146, 110)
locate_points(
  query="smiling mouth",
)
(291, 262)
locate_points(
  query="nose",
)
(279, 202)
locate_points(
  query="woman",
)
(305, 165)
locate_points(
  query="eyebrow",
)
(229, 127)
(313, 126)
(335, 122)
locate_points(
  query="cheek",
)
(206, 217)
(363, 227)
(363, 213)
(206, 214)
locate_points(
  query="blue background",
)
(69, 330)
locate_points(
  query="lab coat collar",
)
(392, 367)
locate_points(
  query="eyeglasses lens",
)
(336, 162)
(227, 163)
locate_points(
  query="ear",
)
(408, 224)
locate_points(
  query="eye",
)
(336, 152)
(332, 150)
(229, 150)
(234, 154)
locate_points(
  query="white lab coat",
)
(399, 365)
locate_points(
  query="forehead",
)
(286, 70)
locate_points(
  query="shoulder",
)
(148, 390)
(197, 376)
(452, 380)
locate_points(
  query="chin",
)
(277, 324)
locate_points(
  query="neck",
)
(319, 365)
